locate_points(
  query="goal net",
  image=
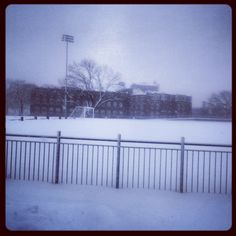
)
(82, 112)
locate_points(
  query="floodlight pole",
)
(66, 38)
(66, 80)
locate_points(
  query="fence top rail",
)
(208, 145)
(31, 136)
(90, 145)
(177, 143)
(89, 139)
(122, 140)
(206, 151)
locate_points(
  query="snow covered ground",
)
(153, 129)
(44, 206)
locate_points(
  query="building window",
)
(115, 104)
(37, 109)
(58, 99)
(44, 110)
(37, 99)
(51, 109)
(120, 105)
(51, 100)
(58, 109)
(108, 104)
(44, 100)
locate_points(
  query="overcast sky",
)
(186, 49)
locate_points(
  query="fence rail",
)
(120, 163)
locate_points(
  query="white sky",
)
(186, 49)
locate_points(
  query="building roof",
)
(145, 88)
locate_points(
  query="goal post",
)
(82, 112)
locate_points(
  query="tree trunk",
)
(21, 108)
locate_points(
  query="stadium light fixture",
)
(68, 39)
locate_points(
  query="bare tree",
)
(94, 81)
(219, 104)
(18, 94)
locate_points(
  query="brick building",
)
(125, 104)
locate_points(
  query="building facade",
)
(125, 104)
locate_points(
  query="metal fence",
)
(175, 166)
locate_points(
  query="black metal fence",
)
(120, 163)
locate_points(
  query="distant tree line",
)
(219, 104)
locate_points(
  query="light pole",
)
(68, 39)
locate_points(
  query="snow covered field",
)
(153, 129)
(44, 206)
(101, 208)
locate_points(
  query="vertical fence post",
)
(182, 165)
(118, 162)
(58, 157)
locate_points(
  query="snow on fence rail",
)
(120, 163)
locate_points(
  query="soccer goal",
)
(82, 112)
